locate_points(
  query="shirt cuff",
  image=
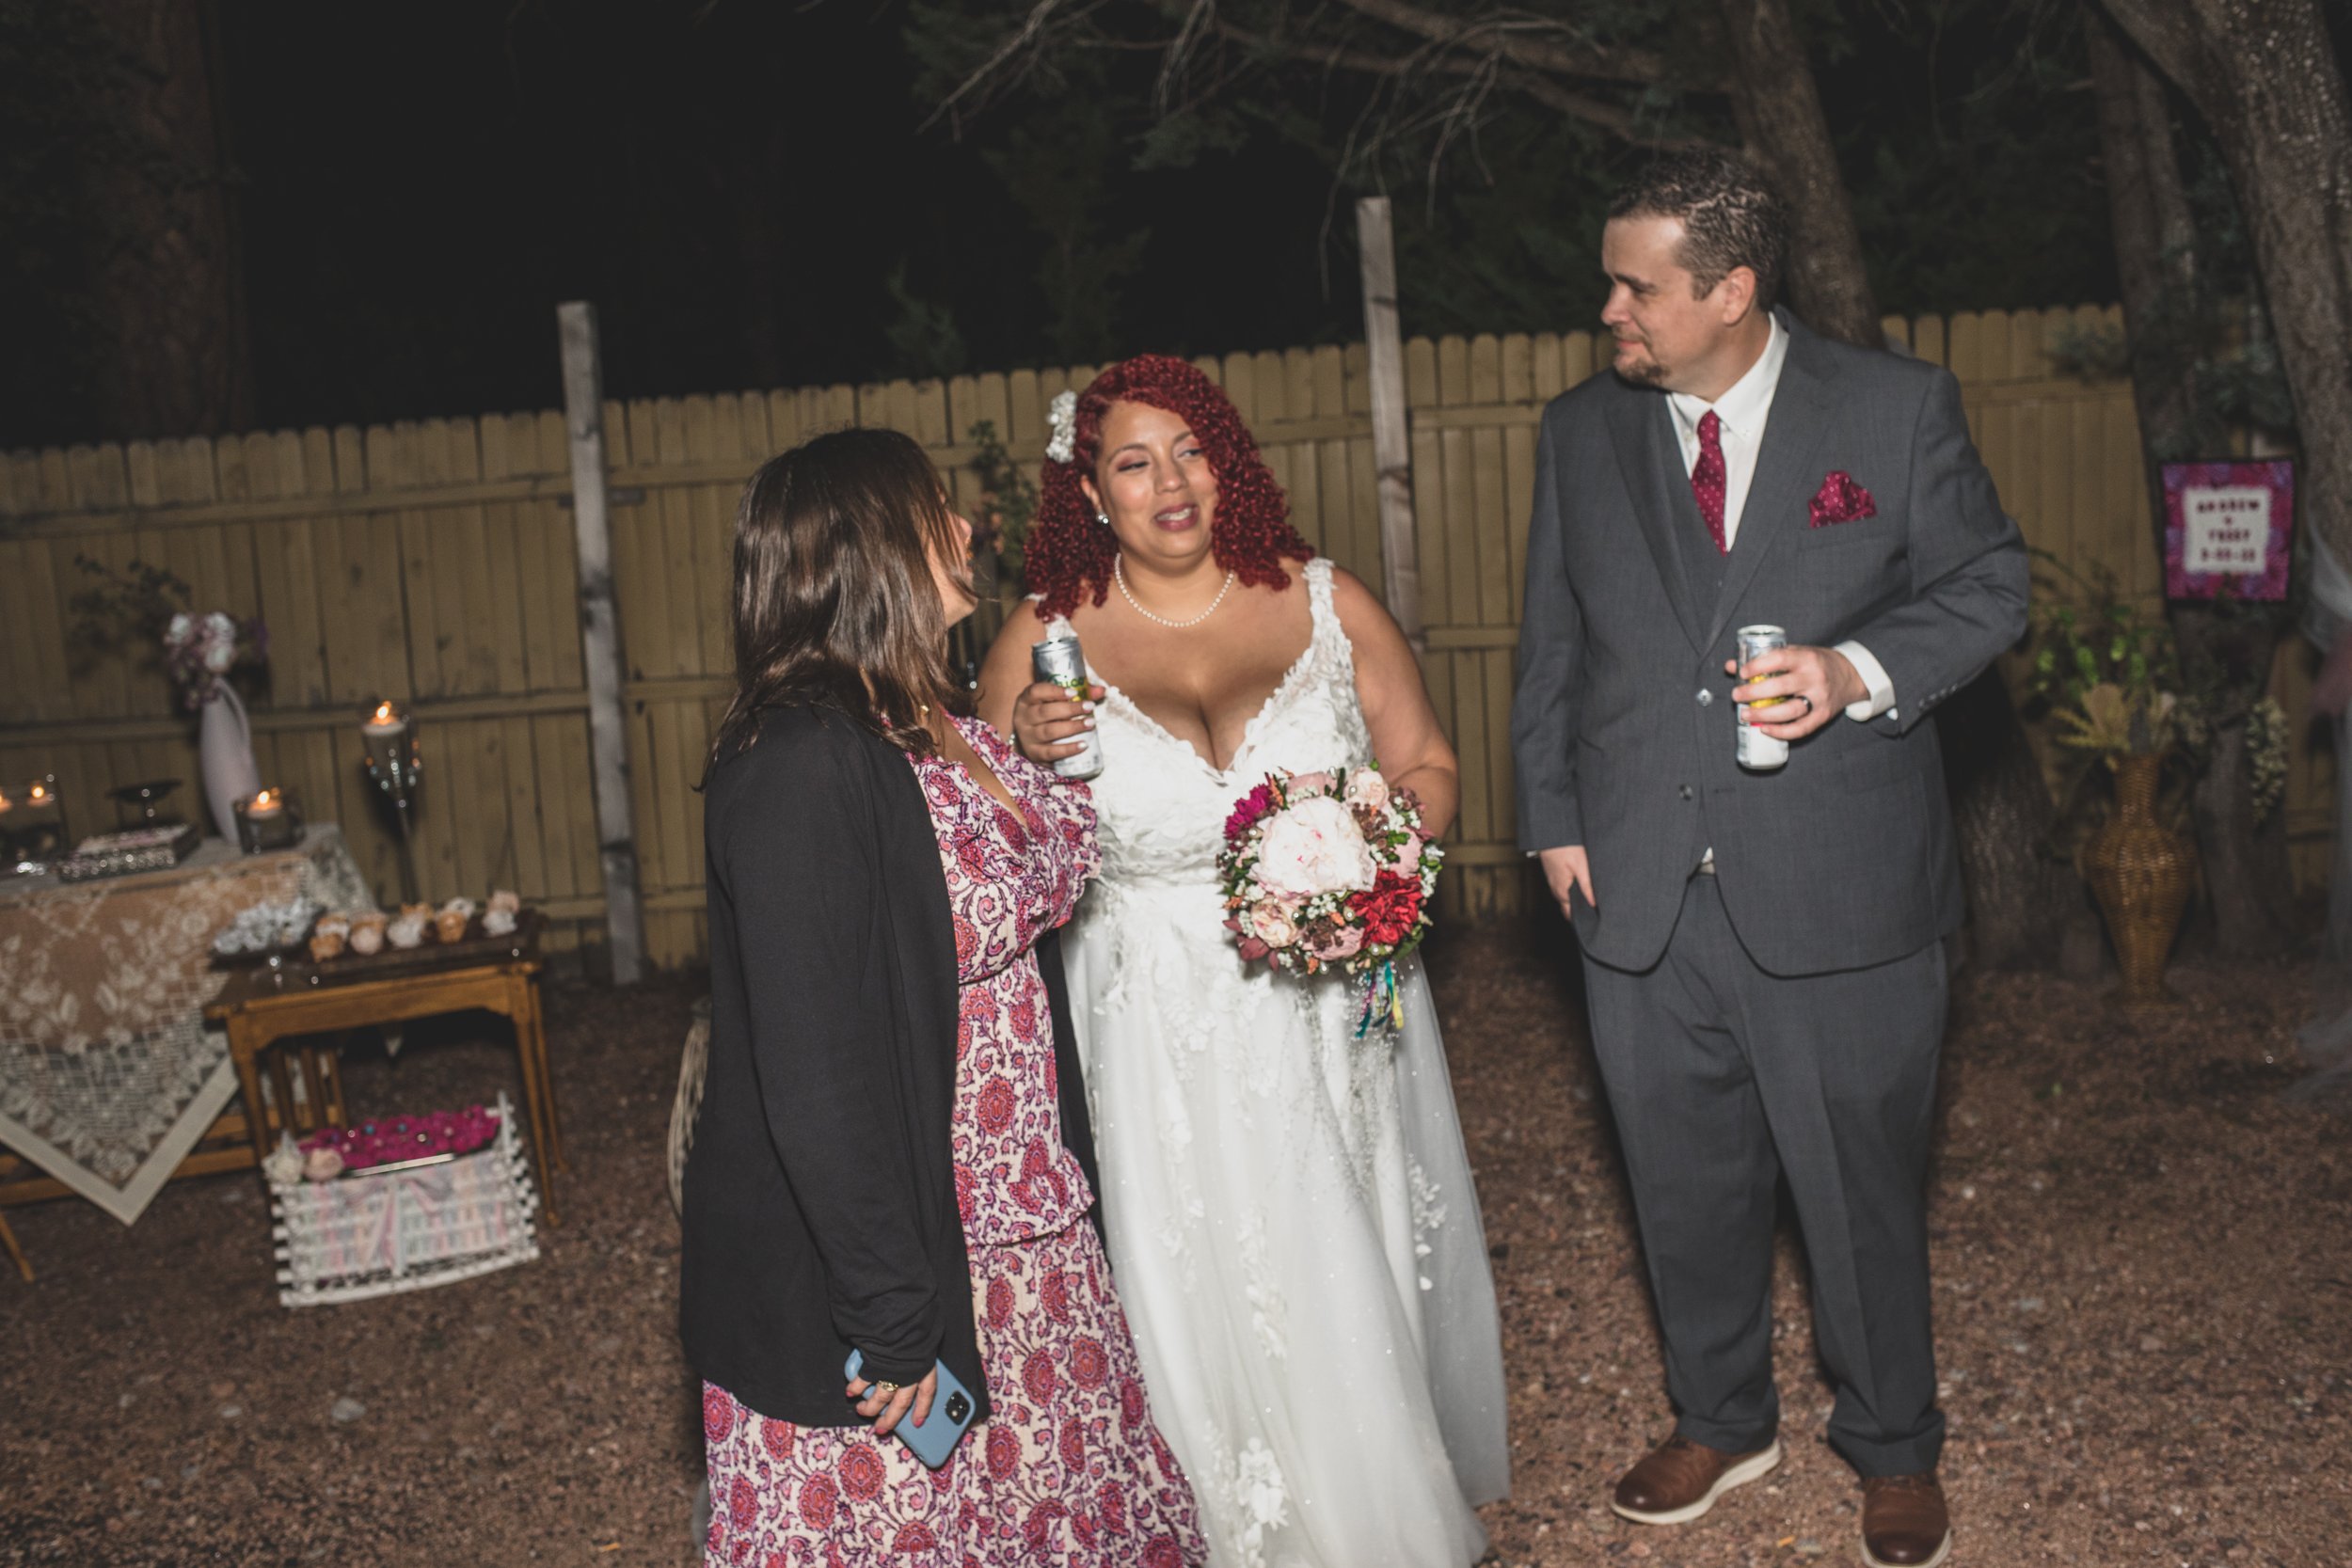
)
(1882, 690)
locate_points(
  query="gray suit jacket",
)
(1843, 858)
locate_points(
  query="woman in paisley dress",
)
(1291, 1217)
(882, 1159)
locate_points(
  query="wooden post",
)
(1391, 452)
(600, 638)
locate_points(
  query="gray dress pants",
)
(1724, 1079)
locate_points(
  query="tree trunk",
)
(2154, 240)
(2247, 883)
(1778, 108)
(2264, 75)
(2023, 901)
(170, 293)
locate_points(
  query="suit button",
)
(1686, 792)
(1706, 696)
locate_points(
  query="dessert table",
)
(109, 1076)
(497, 973)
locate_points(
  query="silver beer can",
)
(1758, 753)
(1059, 660)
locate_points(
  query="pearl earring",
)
(1104, 518)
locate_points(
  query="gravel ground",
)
(2141, 1259)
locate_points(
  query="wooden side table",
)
(258, 1007)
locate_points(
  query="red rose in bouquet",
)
(1388, 908)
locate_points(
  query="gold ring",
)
(882, 1390)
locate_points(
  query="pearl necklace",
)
(1119, 574)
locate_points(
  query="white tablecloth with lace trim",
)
(107, 1073)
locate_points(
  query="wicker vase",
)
(2140, 872)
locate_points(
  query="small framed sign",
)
(2227, 523)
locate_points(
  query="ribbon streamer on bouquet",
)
(1384, 1000)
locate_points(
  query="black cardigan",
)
(820, 1195)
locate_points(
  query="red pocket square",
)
(1840, 501)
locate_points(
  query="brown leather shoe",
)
(1904, 1524)
(1679, 1479)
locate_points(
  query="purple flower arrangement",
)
(200, 649)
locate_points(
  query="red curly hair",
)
(1070, 555)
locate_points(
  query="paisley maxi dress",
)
(1069, 1471)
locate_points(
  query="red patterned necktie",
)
(1706, 478)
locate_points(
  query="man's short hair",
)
(1730, 216)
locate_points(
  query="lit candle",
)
(39, 794)
(266, 806)
(385, 722)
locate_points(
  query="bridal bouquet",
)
(1330, 869)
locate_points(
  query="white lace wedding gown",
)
(1292, 1223)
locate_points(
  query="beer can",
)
(1758, 753)
(1059, 660)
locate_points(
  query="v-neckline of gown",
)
(1249, 731)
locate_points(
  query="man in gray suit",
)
(1762, 949)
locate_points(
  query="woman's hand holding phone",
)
(886, 1414)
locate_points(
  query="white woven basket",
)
(369, 1233)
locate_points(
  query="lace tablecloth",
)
(107, 1073)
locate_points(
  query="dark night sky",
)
(733, 184)
(425, 183)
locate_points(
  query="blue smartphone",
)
(951, 1415)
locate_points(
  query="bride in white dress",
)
(1291, 1216)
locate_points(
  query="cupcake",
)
(407, 931)
(367, 933)
(450, 923)
(327, 938)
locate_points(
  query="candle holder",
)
(394, 767)
(270, 820)
(141, 804)
(32, 825)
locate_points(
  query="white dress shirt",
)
(1743, 411)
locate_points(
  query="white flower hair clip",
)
(1061, 416)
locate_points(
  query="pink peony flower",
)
(1314, 846)
(1367, 790)
(1304, 784)
(1270, 918)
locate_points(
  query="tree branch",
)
(1024, 37)
(1638, 66)
(2174, 47)
(1618, 121)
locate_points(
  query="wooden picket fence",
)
(433, 563)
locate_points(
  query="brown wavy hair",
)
(835, 603)
(1069, 555)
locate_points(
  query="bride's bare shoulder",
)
(1356, 604)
